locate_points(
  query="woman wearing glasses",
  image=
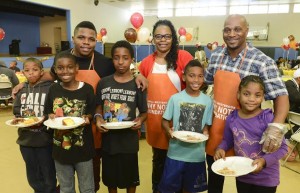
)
(163, 69)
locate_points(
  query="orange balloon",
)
(188, 36)
(99, 37)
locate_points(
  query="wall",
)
(210, 28)
(115, 20)
(23, 27)
(47, 25)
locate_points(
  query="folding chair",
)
(5, 88)
(293, 118)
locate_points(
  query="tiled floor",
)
(13, 177)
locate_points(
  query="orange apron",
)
(91, 77)
(225, 101)
(160, 90)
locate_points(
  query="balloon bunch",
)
(102, 36)
(286, 44)
(184, 35)
(141, 34)
(212, 46)
(2, 34)
(293, 44)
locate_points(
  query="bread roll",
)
(68, 122)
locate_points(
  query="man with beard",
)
(226, 69)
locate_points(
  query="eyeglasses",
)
(160, 36)
(227, 30)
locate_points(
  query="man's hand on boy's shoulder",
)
(16, 89)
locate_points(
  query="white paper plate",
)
(22, 124)
(57, 123)
(240, 165)
(118, 125)
(189, 136)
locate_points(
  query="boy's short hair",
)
(192, 63)
(122, 44)
(14, 61)
(65, 55)
(35, 60)
(85, 24)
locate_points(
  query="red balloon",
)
(136, 20)
(286, 47)
(103, 31)
(182, 31)
(2, 34)
(130, 35)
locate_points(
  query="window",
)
(183, 12)
(258, 9)
(284, 8)
(217, 10)
(296, 8)
(238, 10)
(165, 13)
(201, 11)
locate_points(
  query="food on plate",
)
(192, 138)
(226, 171)
(59, 112)
(25, 121)
(17, 121)
(68, 122)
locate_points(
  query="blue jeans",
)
(66, 176)
(40, 168)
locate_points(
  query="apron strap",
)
(241, 62)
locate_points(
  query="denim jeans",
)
(66, 176)
(40, 168)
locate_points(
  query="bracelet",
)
(97, 115)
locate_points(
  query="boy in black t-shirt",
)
(117, 99)
(73, 149)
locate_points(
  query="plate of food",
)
(24, 122)
(63, 123)
(233, 166)
(118, 125)
(189, 136)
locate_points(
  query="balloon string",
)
(136, 53)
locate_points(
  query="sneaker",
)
(10, 104)
(2, 105)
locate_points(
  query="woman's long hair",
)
(172, 55)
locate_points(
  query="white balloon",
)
(143, 34)
(286, 41)
(150, 38)
(104, 39)
(182, 39)
(214, 46)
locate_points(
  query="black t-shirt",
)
(119, 102)
(102, 65)
(73, 145)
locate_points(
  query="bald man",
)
(227, 67)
